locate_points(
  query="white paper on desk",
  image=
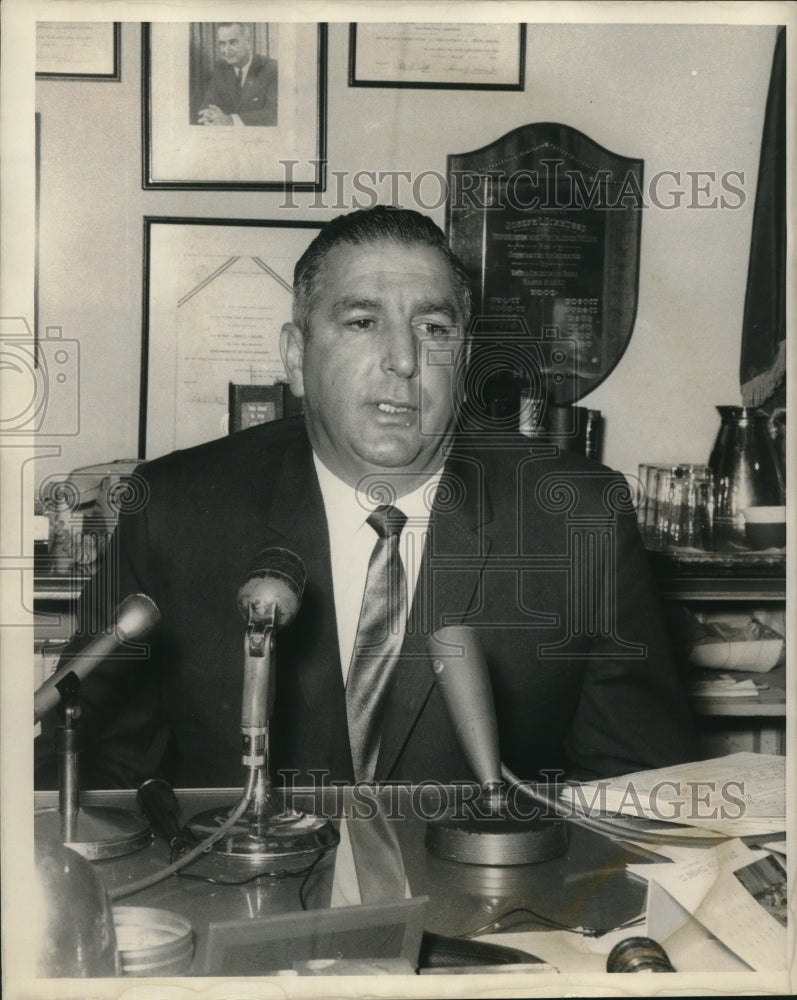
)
(741, 794)
(687, 942)
(709, 888)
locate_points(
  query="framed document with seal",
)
(216, 293)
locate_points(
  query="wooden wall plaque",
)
(547, 223)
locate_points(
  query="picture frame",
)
(37, 167)
(263, 945)
(277, 141)
(216, 293)
(78, 50)
(443, 56)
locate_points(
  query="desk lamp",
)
(265, 833)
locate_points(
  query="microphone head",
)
(460, 669)
(272, 592)
(136, 616)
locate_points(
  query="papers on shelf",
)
(736, 894)
(735, 796)
(724, 687)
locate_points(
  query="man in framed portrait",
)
(243, 88)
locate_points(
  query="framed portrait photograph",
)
(79, 50)
(216, 294)
(234, 105)
(449, 56)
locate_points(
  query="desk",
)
(588, 886)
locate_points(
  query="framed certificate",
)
(216, 294)
(234, 105)
(450, 56)
(79, 50)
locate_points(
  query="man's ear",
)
(292, 351)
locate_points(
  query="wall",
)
(682, 97)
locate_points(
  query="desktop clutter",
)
(683, 827)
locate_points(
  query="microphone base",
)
(489, 833)
(98, 832)
(281, 841)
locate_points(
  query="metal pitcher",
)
(746, 472)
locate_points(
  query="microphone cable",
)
(120, 892)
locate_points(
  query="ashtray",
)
(765, 527)
(153, 942)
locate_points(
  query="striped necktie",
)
(380, 634)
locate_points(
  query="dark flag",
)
(762, 369)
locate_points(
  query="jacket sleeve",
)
(259, 104)
(633, 713)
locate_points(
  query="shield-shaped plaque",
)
(547, 223)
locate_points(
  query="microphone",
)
(495, 832)
(272, 592)
(261, 830)
(461, 672)
(269, 599)
(134, 618)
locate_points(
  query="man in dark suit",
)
(539, 552)
(243, 89)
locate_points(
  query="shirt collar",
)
(350, 507)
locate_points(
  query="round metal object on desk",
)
(286, 841)
(71, 916)
(638, 954)
(498, 839)
(153, 942)
(99, 832)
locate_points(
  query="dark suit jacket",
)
(257, 102)
(541, 555)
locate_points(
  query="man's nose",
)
(401, 353)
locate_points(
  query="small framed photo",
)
(234, 105)
(216, 294)
(78, 50)
(449, 56)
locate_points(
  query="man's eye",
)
(361, 323)
(439, 331)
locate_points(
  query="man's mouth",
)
(394, 408)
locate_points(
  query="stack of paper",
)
(724, 686)
(739, 795)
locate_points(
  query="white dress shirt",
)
(352, 539)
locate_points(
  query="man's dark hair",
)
(370, 225)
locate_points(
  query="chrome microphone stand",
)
(267, 833)
(96, 832)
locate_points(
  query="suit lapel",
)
(454, 556)
(297, 521)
